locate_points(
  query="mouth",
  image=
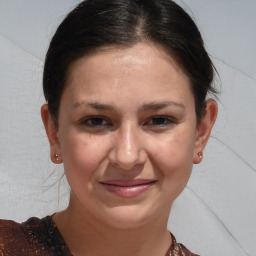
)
(127, 189)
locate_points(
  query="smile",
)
(127, 189)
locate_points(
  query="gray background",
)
(216, 213)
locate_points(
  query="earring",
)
(200, 154)
(57, 157)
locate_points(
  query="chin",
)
(128, 217)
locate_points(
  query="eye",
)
(159, 121)
(95, 122)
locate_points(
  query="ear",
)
(52, 134)
(204, 130)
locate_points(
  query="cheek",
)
(177, 148)
(174, 159)
(82, 156)
(175, 162)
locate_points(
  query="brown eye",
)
(159, 121)
(95, 122)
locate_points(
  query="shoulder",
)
(10, 231)
(185, 251)
(18, 238)
(11, 236)
(178, 249)
(8, 225)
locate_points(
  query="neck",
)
(86, 236)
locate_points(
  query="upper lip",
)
(128, 183)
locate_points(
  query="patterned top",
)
(42, 237)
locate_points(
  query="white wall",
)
(216, 214)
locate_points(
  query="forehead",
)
(139, 68)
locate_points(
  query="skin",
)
(127, 116)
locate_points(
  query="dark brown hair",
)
(96, 23)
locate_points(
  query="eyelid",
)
(85, 121)
(170, 121)
(166, 122)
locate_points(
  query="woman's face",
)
(127, 134)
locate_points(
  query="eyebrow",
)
(145, 107)
(160, 105)
(93, 105)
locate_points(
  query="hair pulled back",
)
(97, 23)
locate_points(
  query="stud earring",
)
(200, 154)
(57, 157)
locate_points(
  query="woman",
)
(126, 85)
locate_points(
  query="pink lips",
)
(127, 189)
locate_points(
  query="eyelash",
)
(89, 122)
(102, 122)
(166, 121)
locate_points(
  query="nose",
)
(127, 151)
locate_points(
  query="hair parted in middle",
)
(94, 24)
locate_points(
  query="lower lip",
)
(127, 191)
